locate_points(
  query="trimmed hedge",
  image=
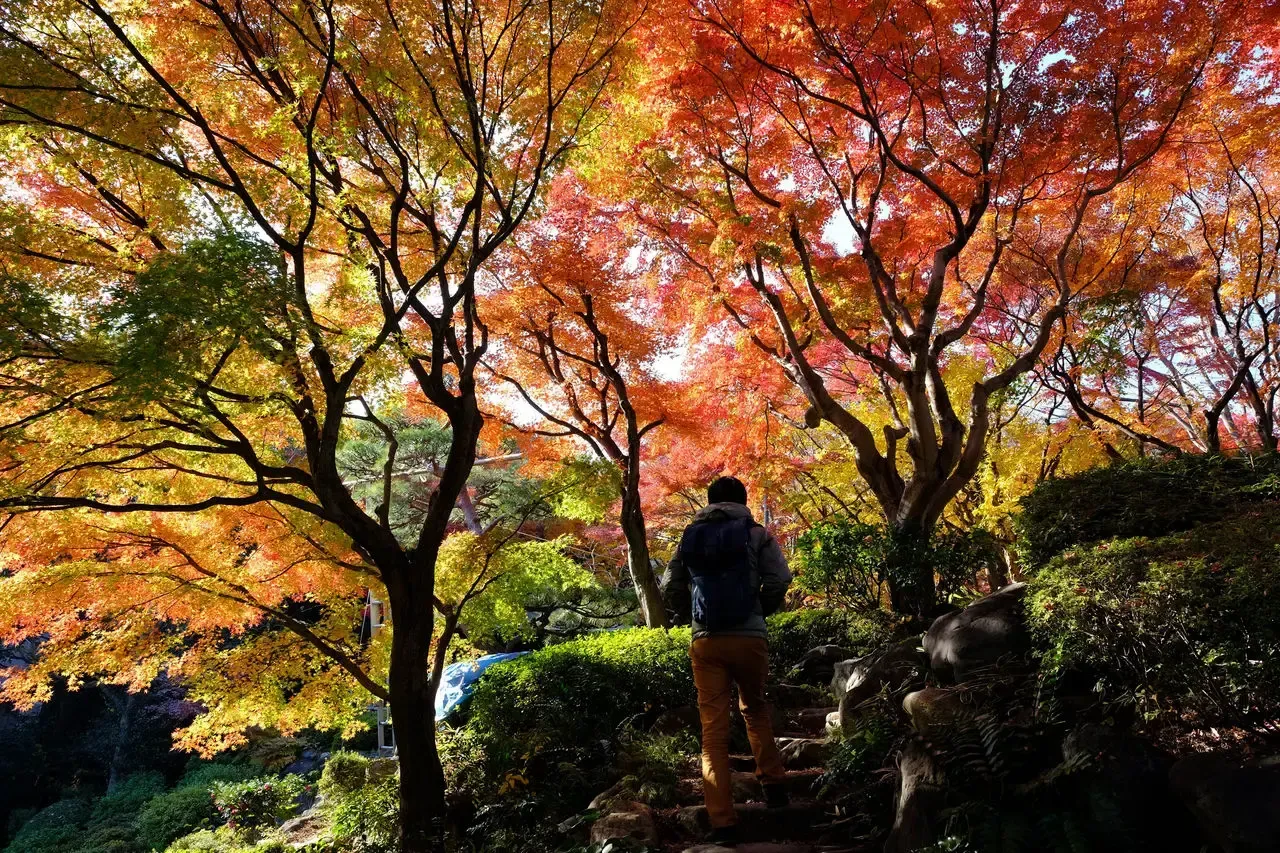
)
(175, 814)
(1186, 626)
(795, 632)
(1144, 498)
(579, 692)
(54, 829)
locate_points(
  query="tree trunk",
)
(422, 782)
(1212, 438)
(122, 702)
(910, 571)
(647, 589)
(411, 594)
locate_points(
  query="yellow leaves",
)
(513, 782)
(490, 579)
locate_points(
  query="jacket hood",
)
(725, 509)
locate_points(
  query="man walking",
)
(726, 576)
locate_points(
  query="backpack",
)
(718, 557)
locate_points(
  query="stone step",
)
(769, 847)
(803, 753)
(800, 821)
(796, 696)
(798, 753)
(812, 721)
(746, 787)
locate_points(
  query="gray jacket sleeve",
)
(675, 592)
(775, 577)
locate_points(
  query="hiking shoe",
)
(776, 796)
(724, 836)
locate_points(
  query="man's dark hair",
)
(727, 490)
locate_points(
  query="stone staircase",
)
(802, 827)
(805, 826)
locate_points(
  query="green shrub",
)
(548, 724)
(18, 818)
(212, 841)
(174, 814)
(1189, 623)
(202, 774)
(344, 773)
(54, 829)
(1145, 498)
(362, 804)
(865, 750)
(795, 632)
(127, 798)
(119, 836)
(579, 693)
(654, 764)
(260, 802)
(859, 566)
(462, 754)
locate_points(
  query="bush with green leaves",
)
(221, 841)
(54, 829)
(127, 797)
(1187, 624)
(793, 633)
(174, 814)
(858, 566)
(578, 693)
(548, 724)
(108, 824)
(256, 803)
(653, 764)
(1151, 497)
(362, 802)
(202, 774)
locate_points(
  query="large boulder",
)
(309, 761)
(1236, 805)
(791, 696)
(936, 708)
(803, 753)
(813, 721)
(305, 829)
(920, 796)
(899, 668)
(818, 664)
(637, 823)
(676, 720)
(989, 632)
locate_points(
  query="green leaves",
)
(183, 317)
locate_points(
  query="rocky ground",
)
(807, 825)
(959, 697)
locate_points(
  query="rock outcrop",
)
(1237, 806)
(988, 632)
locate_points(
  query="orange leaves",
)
(126, 599)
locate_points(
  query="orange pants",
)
(718, 664)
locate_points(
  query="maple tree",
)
(580, 337)
(872, 188)
(228, 226)
(1185, 348)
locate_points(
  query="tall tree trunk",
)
(411, 594)
(633, 528)
(422, 782)
(1263, 416)
(122, 702)
(1212, 437)
(910, 571)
